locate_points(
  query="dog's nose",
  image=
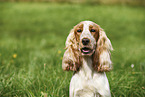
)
(85, 41)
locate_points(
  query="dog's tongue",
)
(86, 51)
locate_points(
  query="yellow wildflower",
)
(133, 72)
(14, 55)
(61, 58)
(59, 51)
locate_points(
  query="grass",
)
(32, 38)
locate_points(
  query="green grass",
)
(32, 38)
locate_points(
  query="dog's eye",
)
(93, 30)
(79, 30)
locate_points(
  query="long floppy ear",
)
(102, 57)
(71, 59)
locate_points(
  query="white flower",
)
(132, 65)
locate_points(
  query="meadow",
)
(32, 41)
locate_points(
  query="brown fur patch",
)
(77, 34)
(96, 33)
(78, 61)
(101, 46)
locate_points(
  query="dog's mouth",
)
(86, 51)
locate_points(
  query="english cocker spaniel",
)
(88, 55)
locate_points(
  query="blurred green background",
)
(32, 37)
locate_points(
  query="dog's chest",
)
(87, 76)
(87, 89)
(87, 86)
(87, 82)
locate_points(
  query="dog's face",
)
(88, 39)
(87, 34)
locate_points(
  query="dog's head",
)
(88, 39)
(87, 34)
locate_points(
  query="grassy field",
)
(32, 38)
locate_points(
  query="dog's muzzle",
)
(86, 48)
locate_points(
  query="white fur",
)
(89, 83)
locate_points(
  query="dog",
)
(88, 55)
